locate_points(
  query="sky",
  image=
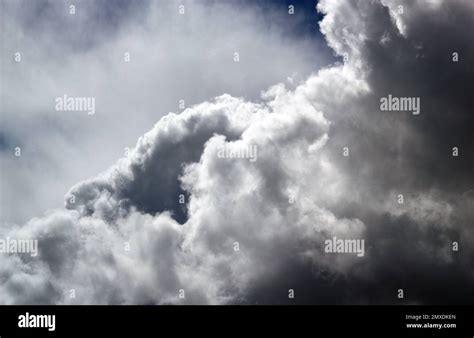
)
(173, 58)
(135, 204)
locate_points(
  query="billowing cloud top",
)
(233, 201)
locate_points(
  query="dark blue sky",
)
(304, 21)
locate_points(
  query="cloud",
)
(248, 231)
(173, 57)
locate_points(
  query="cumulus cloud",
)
(176, 61)
(175, 222)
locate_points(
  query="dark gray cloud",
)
(251, 230)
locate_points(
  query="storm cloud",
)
(174, 222)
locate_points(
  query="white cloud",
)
(173, 57)
(279, 209)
